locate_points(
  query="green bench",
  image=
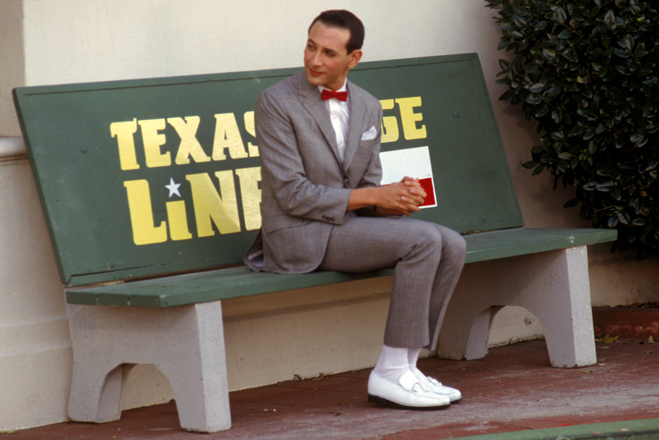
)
(150, 189)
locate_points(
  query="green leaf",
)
(620, 141)
(556, 116)
(574, 163)
(639, 221)
(537, 88)
(604, 187)
(533, 99)
(540, 25)
(507, 95)
(571, 203)
(560, 15)
(542, 110)
(538, 169)
(610, 19)
(623, 217)
(626, 42)
(589, 133)
(577, 130)
(549, 54)
(590, 186)
(636, 138)
(520, 21)
(565, 34)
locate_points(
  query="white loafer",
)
(409, 393)
(436, 387)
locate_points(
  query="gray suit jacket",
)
(305, 187)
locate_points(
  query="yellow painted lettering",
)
(190, 146)
(152, 143)
(210, 207)
(250, 194)
(409, 118)
(178, 220)
(124, 132)
(389, 123)
(249, 127)
(141, 214)
(227, 136)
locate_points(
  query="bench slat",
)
(240, 281)
(523, 241)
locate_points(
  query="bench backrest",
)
(148, 177)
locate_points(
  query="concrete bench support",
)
(185, 343)
(554, 286)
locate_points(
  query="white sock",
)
(392, 364)
(412, 358)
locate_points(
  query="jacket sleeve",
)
(283, 167)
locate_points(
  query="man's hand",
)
(401, 198)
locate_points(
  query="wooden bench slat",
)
(240, 281)
(523, 241)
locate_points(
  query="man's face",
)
(326, 57)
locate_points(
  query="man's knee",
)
(457, 242)
(428, 236)
(455, 246)
(451, 243)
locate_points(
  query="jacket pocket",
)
(281, 221)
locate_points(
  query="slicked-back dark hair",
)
(342, 19)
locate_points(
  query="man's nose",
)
(316, 60)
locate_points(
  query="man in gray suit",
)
(323, 207)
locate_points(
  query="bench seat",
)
(240, 281)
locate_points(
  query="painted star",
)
(173, 187)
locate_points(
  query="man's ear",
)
(355, 56)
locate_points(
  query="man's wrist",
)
(360, 198)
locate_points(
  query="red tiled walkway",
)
(512, 389)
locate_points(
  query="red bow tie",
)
(328, 94)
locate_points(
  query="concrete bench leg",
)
(554, 286)
(185, 343)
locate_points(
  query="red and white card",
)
(410, 162)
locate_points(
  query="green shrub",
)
(587, 71)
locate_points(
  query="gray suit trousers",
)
(427, 259)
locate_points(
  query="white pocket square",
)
(370, 134)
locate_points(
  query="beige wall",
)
(303, 332)
(12, 63)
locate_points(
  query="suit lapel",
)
(311, 101)
(355, 129)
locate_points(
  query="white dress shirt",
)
(339, 115)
